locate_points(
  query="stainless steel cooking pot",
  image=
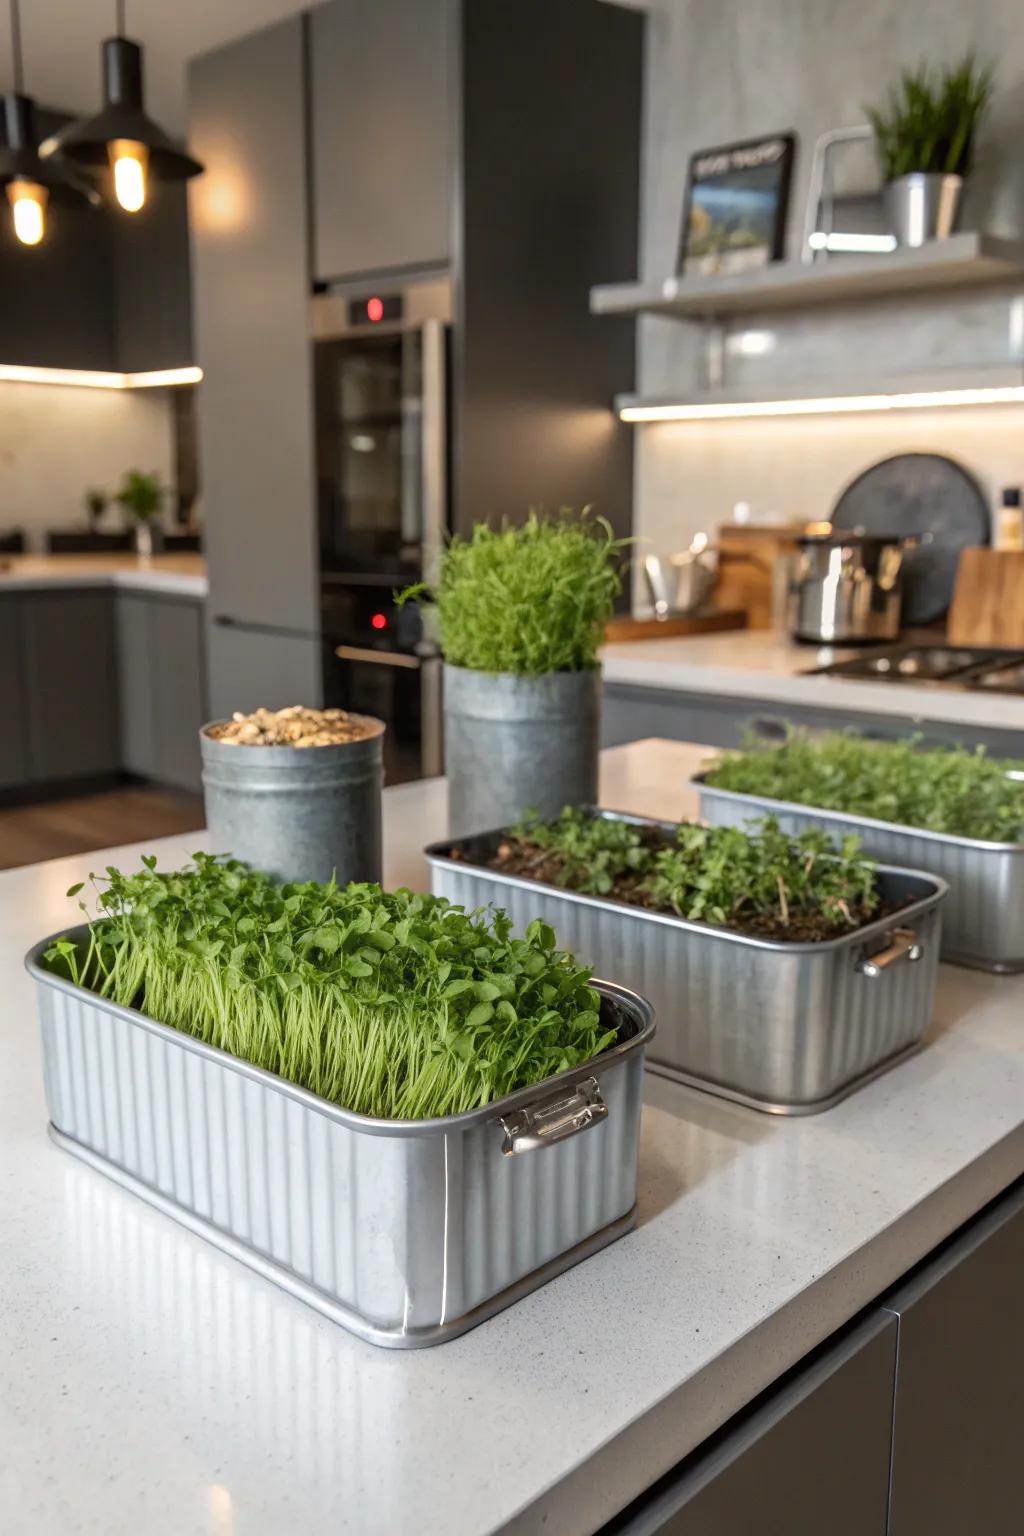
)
(847, 587)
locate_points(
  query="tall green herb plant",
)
(528, 599)
(395, 1005)
(931, 119)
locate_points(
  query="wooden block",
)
(709, 621)
(988, 603)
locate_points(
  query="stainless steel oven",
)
(381, 371)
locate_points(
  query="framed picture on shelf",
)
(734, 212)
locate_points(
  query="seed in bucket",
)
(296, 726)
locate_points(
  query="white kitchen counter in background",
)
(151, 1384)
(177, 575)
(767, 666)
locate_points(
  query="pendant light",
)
(121, 134)
(26, 177)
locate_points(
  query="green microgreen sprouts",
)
(529, 599)
(395, 1005)
(959, 792)
(758, 879)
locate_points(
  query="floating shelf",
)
(968, 260)
(886, 392)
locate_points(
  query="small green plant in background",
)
(529, 599)
(930, 121)
(960, 792)
(395, 1005)
(96, 503)
(750, 877)
(141, 495)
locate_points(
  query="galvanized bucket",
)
(299, 813)
(517, 744)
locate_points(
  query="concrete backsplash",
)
(57, 441)
(721, 70)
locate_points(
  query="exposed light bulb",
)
(128, 161)
(28, 209)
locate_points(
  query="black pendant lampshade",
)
(28, 179)
(123, 120)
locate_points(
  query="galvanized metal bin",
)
(786, 1028)
(406, 1232)
(983, 920)
(298, 813)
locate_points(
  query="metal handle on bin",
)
(555, 1119)
(903, 947)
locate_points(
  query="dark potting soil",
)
(516, 856)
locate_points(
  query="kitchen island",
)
(714, 687)
(183, 575)
(152, 1384)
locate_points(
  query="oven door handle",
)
(380, 658)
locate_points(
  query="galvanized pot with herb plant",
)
(521, 613)
(401, 1112)
(142, 497)
(784, 971)
(925, 136)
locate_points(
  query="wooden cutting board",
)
(707, 621)
(988, 602)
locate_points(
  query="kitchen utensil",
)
(983, 924)
(786, 1028)
(921, 494)
(846, 587)
(695, 570)
(406, 1232)
(988, 600)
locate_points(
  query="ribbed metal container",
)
(405, 1232)
(299, 813)
(786, 1028)
(983, 920)
(516, 744)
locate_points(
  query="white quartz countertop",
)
(175, 575)
(148, 1383)
(768, 666)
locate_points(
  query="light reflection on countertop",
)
(183, 575)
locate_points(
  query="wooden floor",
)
(131, 814)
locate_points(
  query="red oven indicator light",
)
(379, 621)
(375, 312)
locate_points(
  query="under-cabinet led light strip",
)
(925, 399)
(86, 378)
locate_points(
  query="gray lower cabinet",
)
(70, 669)
(161, 670)
(631, 713)
(13, 710)
(812, 1458)
(381, 158)
(957, 1465)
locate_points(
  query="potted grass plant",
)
(925, 134)
(521, 613)
(142, 496)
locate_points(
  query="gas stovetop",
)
(938, 666)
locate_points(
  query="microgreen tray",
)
(406, 1232)
(789, 1028)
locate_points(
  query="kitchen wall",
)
(57, 441)
(721, 70)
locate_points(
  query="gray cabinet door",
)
(812, 1458)
(71, 673)
(381, 117)
(176, 652)
(251, 288)
(135, 681)
(959, 1420)
(13, 718)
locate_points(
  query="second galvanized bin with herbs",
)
(789, 1028)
